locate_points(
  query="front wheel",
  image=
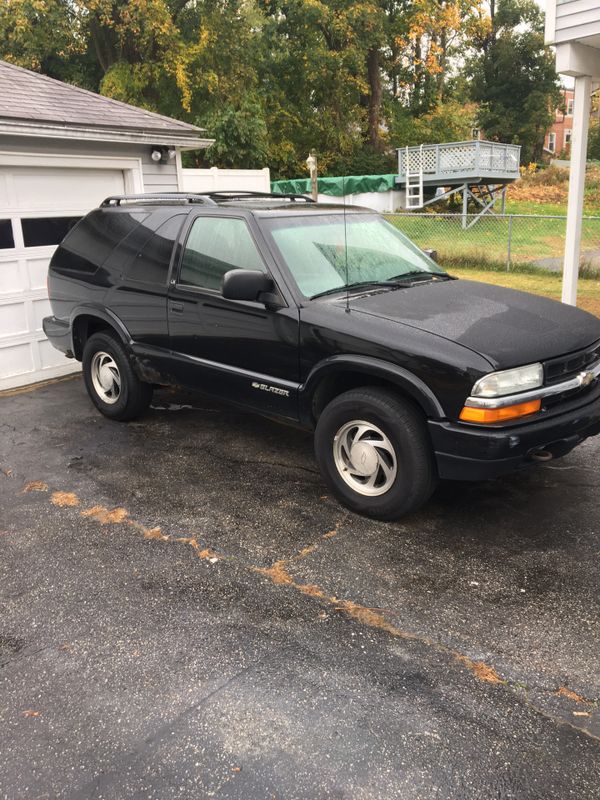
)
(112, 385)
(374, 453)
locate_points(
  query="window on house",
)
(570, 107)
(44, 231)
(6, 235)
(552, 142)
(567, 136)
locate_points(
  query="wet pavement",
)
(185, 613)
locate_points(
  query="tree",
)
(513, 77)
(593, 151)
(240, 135)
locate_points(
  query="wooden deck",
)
(456, 163)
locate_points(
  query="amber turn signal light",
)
(487, 415)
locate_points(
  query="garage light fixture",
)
(161, 154)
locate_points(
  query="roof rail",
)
(159, 197)
(203, 198)
(233, 194)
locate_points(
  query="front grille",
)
(565, 367)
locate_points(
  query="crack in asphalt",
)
(154, 739)
(278, 574)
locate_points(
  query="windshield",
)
(316, 249)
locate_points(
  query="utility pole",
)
(311, 163)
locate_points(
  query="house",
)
(62, 151)
(573, 27)
(558, 138)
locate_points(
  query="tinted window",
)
(6, 235)
(136, 240)
(41, 231)
(151, 263)
(214, 246)
(90, 243)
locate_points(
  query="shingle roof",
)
(31, 97)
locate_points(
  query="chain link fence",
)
(507, 241)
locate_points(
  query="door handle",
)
(177, 308)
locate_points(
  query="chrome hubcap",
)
(106, 377)
(365, 458)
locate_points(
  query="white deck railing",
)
(454, 159)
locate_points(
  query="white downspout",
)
(579, 134)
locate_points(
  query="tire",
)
(385, 480)
(111, 383)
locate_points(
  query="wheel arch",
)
(338, 374)
(87, 320)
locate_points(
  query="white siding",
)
(157, 177)
(576, 19)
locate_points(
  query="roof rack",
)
(159, 197)
(225, 195)
(204, 198)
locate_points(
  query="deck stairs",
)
(414, 179)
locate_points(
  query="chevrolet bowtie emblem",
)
(586, 378)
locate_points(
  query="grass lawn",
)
(548, 285)
(532, 239)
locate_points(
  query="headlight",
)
(509, 381)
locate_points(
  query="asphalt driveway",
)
(185, 613)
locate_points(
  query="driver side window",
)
(214, 246)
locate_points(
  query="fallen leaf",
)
(104, 515)
(63, 499)
(35, 486)
(564, 691)
(31, 713)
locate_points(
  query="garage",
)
(39, 205)
(62, 151)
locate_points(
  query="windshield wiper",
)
(417, 274)
(359, 285)
(398, 281)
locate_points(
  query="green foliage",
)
(594, 141)
(514, 78)
(271, 80)
(451, 121)
(240, 136)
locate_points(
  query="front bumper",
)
(471, 453)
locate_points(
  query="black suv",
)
(329, 317)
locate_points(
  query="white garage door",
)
(37, 207)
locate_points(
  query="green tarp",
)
(337, 187)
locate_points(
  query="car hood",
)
(505, 326)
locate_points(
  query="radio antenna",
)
(346, 246)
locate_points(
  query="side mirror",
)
(246, 284)
(432, 254)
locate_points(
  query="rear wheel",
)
(112, 385)
(374, 453)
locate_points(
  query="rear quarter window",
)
(89, 244)
(151, 261)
